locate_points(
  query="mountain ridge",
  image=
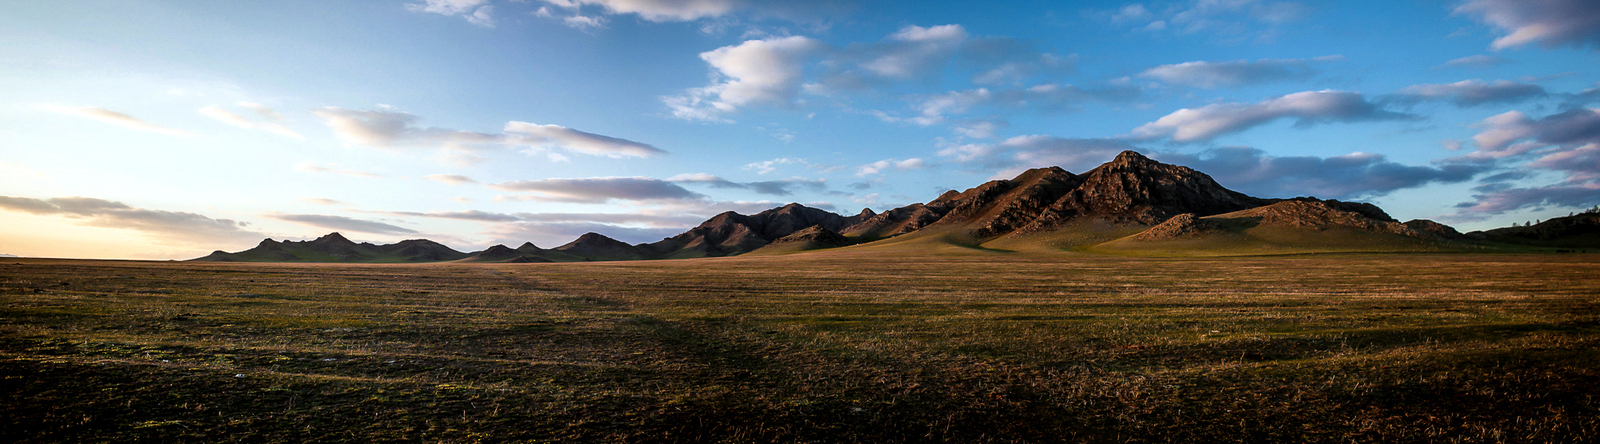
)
(1132, 203)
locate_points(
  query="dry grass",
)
(844, 346)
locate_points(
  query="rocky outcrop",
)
(1184, 225)
(816, 237)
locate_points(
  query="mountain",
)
(595, 246)
(334, 247)
(1136, 204)
(1131, 189)
(1131, 205)
(732, 233)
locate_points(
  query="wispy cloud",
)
(272, 125)
(451, 179)
(172, 227)
(1477, 61)
(477, 12)
(770, 166)
(1306, 108)
(342, 223)
(588, 143)
(116, 118)
(1471, 92)
(387, 128)
(597, 190)
(782, 187)
(1204, 74)
(335, 169)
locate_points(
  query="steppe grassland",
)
(822, 347)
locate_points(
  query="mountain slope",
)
(1301, 225)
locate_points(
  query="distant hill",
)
(335, 248)
(1580, 230)
(1131, 205)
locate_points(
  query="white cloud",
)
(767, 71)
(1048, 97)
(917, 50)
(891, 164)
(1219, 17)
(769, 166)
(1549, 23)
(116, 118)
(658, 10)
(979, 129)
(584, 22)
(1308, 107)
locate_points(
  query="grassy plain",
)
(844, 346)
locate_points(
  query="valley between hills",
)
(1132, 205)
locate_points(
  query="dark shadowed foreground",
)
(955, 347)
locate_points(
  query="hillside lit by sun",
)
(169, 129)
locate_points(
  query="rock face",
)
(813, 238)
(1437, 229)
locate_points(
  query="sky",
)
(168, 129)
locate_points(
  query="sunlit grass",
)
(851, 345)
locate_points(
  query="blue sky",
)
(166, 129)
